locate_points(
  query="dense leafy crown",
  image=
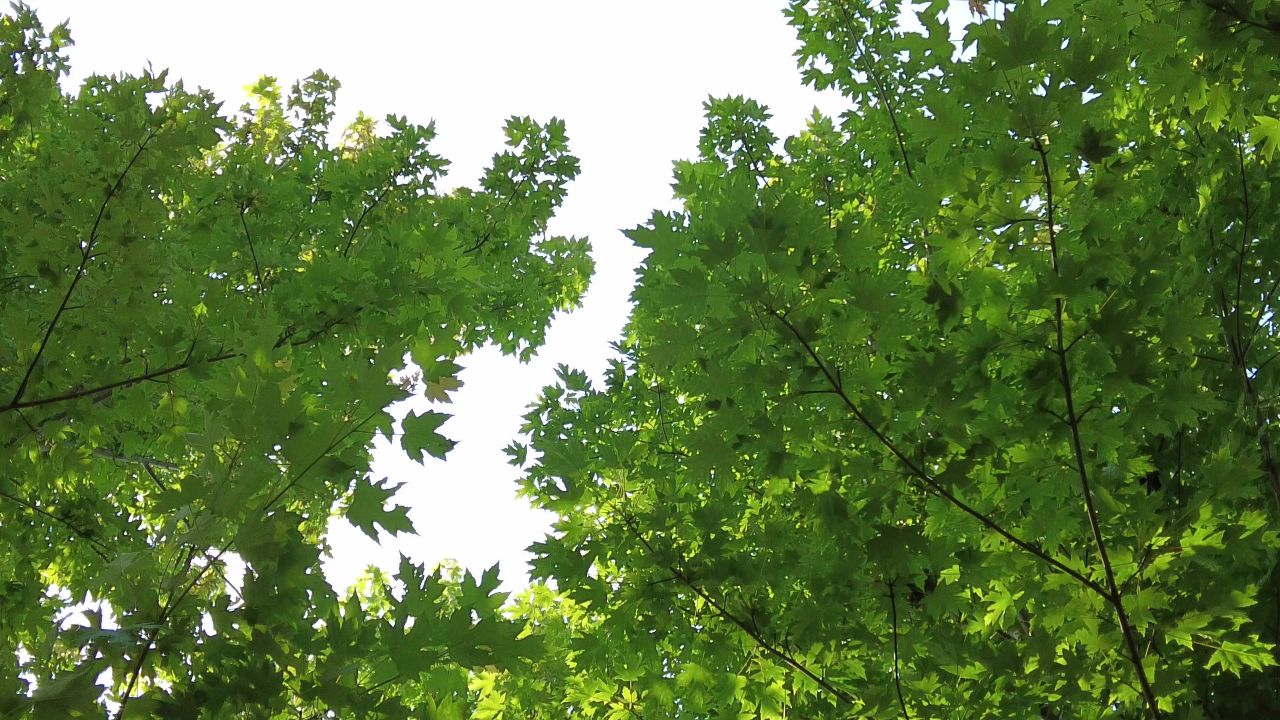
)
(198, 318)
(961, 405)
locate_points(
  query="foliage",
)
(199, 313)
(962, 405)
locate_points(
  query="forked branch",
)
(86, 254)
(926, 480)
(1113, 595)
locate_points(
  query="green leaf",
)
(1267, 132)
(371, 505)
(421, 435)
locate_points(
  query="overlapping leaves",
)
(960, 406)
(199, 315)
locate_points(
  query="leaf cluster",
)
(200, 315)
(959, 405)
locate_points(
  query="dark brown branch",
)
(1262, 365)
(351, 236)
(1006, 224)
(86, 254)
(211, 560)
(171, 603)
(101, 391)
(1238, 346)
(880, 91)
(1261, 426)
(257, 269)
(929, 482)
(662, 418)
(329, 324)
(135, 672)
(340, 438)
(1243, 253)
(146, 462)
(98, 547)
(748, 628)
(1266, 304)
(1230, 10)
(316, 714)
(893, 117)
(116, 385)
(897, 670)
(489, 233)
(1113, 595)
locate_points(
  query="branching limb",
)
(86, 253)
(147, 462)
(1240, 17)
(929, 482)
(351, 236)
(745, 626)
(102, 391)
(1113, 594)
(99, 548)
(489, 233)
(112, 386)
(211, 560)
(880, 91)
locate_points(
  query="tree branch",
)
(929, 482)
(257, 270)
(85, 254)
(1228, 9)
(146, 462)
(748, 628)
(897, 671)
(880, 91)
(1113, 595)
(99, 548)
(351, 236)
(1243, 254)
(488, 233)
(116, 385)
(211, 560)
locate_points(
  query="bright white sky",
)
(628, 78)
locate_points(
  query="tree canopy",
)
(959, 405)
(199, 318)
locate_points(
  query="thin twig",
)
(351, 236)
(1243, 254)
(99, 548)
(1228, 9)
(488, 233)
(880, 91)
(211, 560)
